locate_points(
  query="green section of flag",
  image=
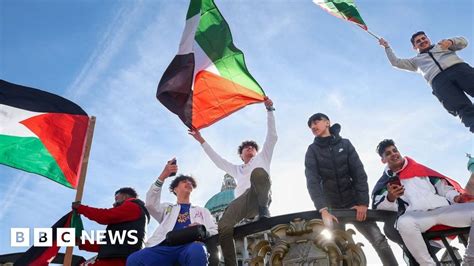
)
(76, 222)
(344, 9)
(30, 155)
(194, 8)
(214, 37)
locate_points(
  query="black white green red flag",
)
(207, 79)
(42, 256)
(41, 133)
(345, 9)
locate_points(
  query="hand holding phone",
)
(173, 162)
(394, 180)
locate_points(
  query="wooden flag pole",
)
(82, 179)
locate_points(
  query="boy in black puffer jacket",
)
(336, 178)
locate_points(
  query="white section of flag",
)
(187, 40)
(10, 118)
(202, 61)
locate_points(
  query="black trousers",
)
(451, 87)
(372, 232)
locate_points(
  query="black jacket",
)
(117, 250)
(335, 176)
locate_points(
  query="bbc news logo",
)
(66, 237)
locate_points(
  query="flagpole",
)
(82, 179)
(375, 36)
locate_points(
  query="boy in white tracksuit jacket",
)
(424, 198)
(174, 217)
(449, 76)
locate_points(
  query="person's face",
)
(119, 198)
(392, 157)
(421, 42)
(320, 128)
(184, 187)
(248, 152)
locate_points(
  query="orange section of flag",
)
(215, 97)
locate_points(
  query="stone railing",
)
(301, 239)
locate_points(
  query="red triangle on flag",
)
(64, 136)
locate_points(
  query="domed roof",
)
(220, 201)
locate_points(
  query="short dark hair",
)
(418, 33)
(180, 178)
(383, 145)
(247, 143)
(317, 117)
(127, 190)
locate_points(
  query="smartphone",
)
(394, 180)
(173, 162)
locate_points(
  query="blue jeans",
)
(194, 253)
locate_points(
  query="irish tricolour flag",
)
(208, 79)
(41, 133)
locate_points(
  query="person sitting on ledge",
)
(336, 178)
(252, 195)
(423, 198)
(128, 213)
(173, 217)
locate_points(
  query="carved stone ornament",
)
(307, 243)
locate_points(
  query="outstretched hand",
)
(196, 135)
(384, 43)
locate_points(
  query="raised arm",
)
(220, 162)
(453, 44)
(272, 137)
(153, 196)
(406, 64)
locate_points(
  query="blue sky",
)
(108, 57)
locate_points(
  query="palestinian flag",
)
(41, 133)
(207, 80)
(42, 256)
(344, 9)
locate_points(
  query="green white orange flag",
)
(41, 133)
(207, 79)
(344, 9)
